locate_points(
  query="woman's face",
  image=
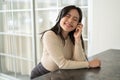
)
(69, 22)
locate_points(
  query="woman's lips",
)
(68, 25)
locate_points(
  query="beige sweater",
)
(57, 55)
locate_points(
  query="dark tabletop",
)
(109, 70)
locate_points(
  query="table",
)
(110, 69)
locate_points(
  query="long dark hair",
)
(58, 30)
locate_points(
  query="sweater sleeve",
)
(54, 47)
(78, 53)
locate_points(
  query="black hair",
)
(58, 30)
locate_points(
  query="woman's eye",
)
(75, 19)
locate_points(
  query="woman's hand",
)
(78, 31)
(94, 63)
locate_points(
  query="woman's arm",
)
(78, 53)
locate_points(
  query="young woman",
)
(63, 46)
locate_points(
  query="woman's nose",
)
(70, 20)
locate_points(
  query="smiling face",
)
(69, 22)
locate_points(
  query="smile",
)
(68, 25)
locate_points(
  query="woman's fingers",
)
(95, 63)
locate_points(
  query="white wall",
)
(105, 26)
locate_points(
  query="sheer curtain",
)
(16, 49)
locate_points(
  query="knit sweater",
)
(59, 55)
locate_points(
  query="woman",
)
(63, 44)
